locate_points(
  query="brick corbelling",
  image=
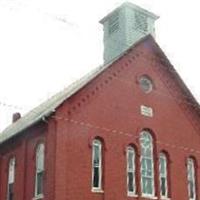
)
(60, 164)
(185, 102)
(100, 84)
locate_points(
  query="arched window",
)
(163, 175)
(130, 156)
(11, 179)
(97, 165)
(191, 176)
(39, 176)
(147, 164)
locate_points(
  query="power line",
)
(3, 104)
(121, 133)
(114, 131)
(58, 17)
(131, 83)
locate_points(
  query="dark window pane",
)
(130, 182)
(96, 155)
(39, 183)
(191, 185)
(96, 177)
(10, 192)
(130, 160)
(163, 186)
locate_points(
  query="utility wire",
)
(106, 129)
(124, 133)
(120, 132)
(58, 17)
(3, 104)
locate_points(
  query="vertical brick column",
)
(50, 160)
(60, 161)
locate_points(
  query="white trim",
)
(98, 144)
(165, 175)
(130, 150)
(132, 195)
(142, 144)
(191, 161)
(149, 196)
(40, 154)
(41, 196)
(97, 190)
(11, 174)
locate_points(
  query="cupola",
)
(125, 26)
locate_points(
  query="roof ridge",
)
(49, 106)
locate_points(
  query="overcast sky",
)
(47, 44)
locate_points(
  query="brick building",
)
(127, 130)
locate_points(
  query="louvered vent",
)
(141, 22)
(123, 27)
(114, 23)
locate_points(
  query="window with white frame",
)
(39, 176)
(147, 164)
(191, 179)
(11, 179)
(97, 165)
(163, 176)
(131, 186)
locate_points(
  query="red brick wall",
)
(109, 107)
(23, 149)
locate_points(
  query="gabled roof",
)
(49, 106)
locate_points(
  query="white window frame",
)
(97, 143)
(163, 175)
(131, 150)
(11, 174)
(191, 162)
(40, 154)
(152, 164)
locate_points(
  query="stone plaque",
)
(146, 111)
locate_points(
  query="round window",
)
(146, 84)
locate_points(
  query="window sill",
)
(132, 195)
(149, 197)
(41, 196)
(95, 190)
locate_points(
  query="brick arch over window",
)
(97, 164)
(91, 139)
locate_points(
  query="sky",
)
(47, 44)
